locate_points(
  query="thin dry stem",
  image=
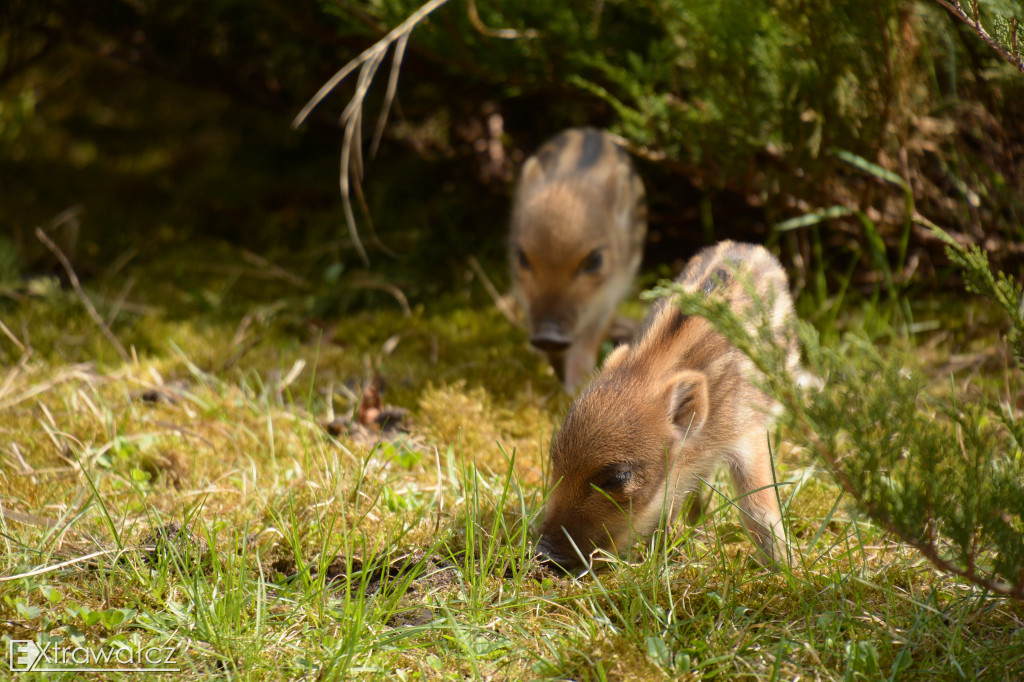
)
(28, 519)
(499, 301)
(389, 96)
(115, 309)
(374, 237)
(395, 292)
(14, 339)
(405, 27)
(70, 562)
(274, 269)
(351, 150)
(74, 372)
(89, 308)
(503, 33)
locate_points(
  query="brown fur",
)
(578, 199)
(666, 410)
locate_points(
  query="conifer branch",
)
(942, 475)
(1010, 52)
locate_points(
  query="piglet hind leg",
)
(755, 486)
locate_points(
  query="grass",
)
(199, 503)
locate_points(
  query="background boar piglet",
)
(578, 224)
(668, 409)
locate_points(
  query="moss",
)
(220, 423)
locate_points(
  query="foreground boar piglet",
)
(668, 409)
(578, 224)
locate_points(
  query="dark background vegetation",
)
(165, 127)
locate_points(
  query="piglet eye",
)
(616, 479)
(524, 263)
(592, 263)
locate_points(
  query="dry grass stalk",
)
(73, 278)
(73, 372)
(396, 293)
(352, 117)
(500, 302)
(504, 33)
(71, 562)
(274, 269)
(14, 339)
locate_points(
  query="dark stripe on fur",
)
(591, 149)
(552, 149)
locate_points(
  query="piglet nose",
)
(549, 336)
(544, 549)
(547, 553)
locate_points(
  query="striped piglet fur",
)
(578, 223)
(668, 409)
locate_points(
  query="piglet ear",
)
(617, 189)
(616, 357)
(688, 403)
(533, 173)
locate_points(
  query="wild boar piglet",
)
(579, 218)
(667, 409)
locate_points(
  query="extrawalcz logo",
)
(24, 655)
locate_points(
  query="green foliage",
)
(707, 84)
(997, 287)
(715, 91)
(997, 22)
(743, 95)
(708, 89)
(942, 472)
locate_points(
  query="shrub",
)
(944, 474)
